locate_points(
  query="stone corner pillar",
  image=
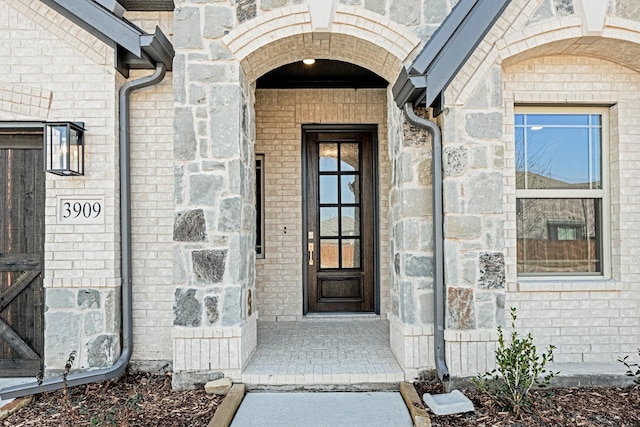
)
(411, 225)
(215, 321)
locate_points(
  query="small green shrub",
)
(633, 368)
(519, 368)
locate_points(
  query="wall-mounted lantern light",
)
(64, 148)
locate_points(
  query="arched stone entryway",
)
(228, 119)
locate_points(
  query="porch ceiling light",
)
(64, 148)
(308, 61)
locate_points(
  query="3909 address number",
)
(81, 210)
(84, 209)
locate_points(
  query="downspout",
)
(120, 365)
(438, 240)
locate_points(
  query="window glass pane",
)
(329, 253)
(329, 222)
(351, 253)
(259, 206)
(328, 189)
(558, 151)
(596, 156)
(520, 159)
(350, 157)
(557, 119)
(558, 236)
(350, 221)
(328, 157)
(519, 119)
(557, 158)
(350, 189)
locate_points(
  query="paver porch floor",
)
(329, 351)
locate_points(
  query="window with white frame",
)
(561, 191)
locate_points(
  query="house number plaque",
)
(75, 210)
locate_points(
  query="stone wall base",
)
(157, 367)
(214, 349)
(470, 353)
(412, 346)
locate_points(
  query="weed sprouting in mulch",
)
(133, 400)
(570, 406)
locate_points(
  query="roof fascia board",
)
(100, 22)
(407, 87)
(461, 45)
(158, 47)
(148, 5)
(440, 38)
(447, 51)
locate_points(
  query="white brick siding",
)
(594, 320)
(152, 191)
(152, 220)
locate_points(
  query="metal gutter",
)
(106, 23)
(446, 52)
(438, 240)
(120, 365)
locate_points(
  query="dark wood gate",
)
(21, 252)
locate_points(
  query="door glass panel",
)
(350, 189)
(329, 253)
(349, 157)
(328, 157)
(351, 253)
(329, 222)
(351, 221)
(328, 189)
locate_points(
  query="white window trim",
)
(568, 281)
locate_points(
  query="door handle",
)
(311, 253)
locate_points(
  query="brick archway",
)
(357, 36)
(511, 41)
(619, 45)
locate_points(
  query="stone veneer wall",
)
(411, 223)
(589, 321)
(280, 115)
(214, 255)
(53, 70)
(423, 17)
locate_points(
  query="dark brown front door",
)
(21, 248)
(340, 229)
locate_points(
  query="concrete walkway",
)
(323, 409)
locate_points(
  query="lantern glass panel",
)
(75, 150)
(64, 145)
(58, 147)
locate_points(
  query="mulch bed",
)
(147, 400)
(134, 400)
(584, 406)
